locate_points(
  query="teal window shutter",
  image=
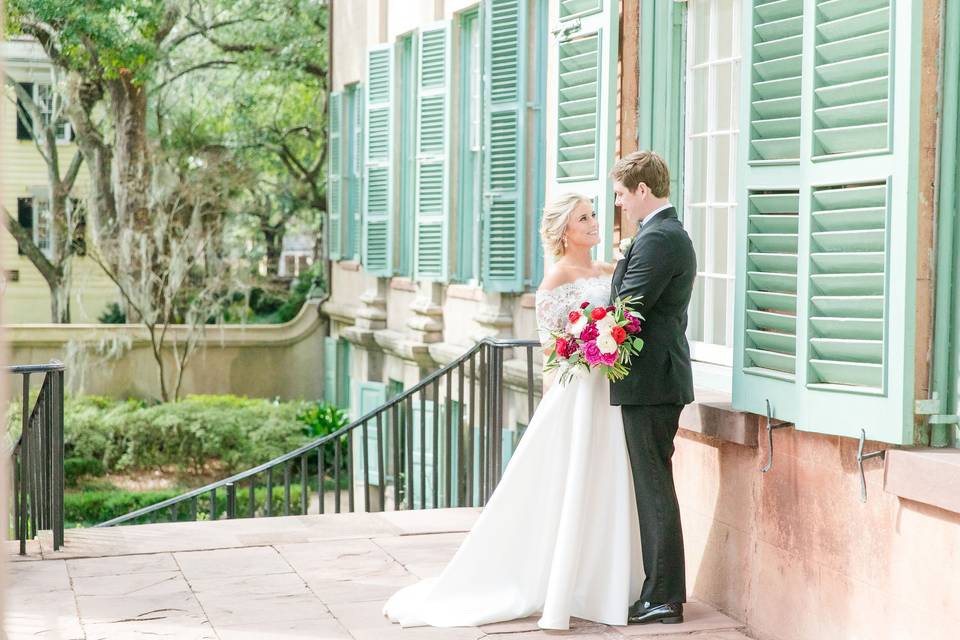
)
(584, 64)
(378, 204)
(423, 458)
(777, 62)
(335, 176)
(343, 375)
(356, 170)
(371, 395)
(406, 71)
(504, 144)
(432, 191)
(852, 75)
(826, 246)
(662, 93)
(330, 370)
(469, 144)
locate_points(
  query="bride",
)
(560, 533)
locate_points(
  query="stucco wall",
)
(796, 555)
(284, 361)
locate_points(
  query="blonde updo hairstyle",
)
(553, 225)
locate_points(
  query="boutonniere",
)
(625, 244)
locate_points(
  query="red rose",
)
(598, 313)
(619, 334)
(573, 317)
(584, 305)
(611, 309)
(561, 347)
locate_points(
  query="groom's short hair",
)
(646, 167)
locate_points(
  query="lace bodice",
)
(555, 304)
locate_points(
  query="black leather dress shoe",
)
(647, 613)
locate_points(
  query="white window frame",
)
(712, 353)
(50, 106)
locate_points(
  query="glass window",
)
(712, 112)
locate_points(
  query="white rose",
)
(578, 326)
(605, 324)
(625, 244)
(606, 344)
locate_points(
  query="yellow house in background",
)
(24, 192)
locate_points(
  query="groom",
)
(658, 270)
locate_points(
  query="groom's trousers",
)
(649, 431)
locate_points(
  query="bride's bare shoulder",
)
(605, 267)
(556, 276)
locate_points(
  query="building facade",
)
(813, 146)
(25, 193)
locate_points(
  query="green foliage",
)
(322, 419)
(93, 507)
(113, 314)
(75, 468)
(234, 432)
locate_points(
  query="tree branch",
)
(33, 253)
(203, 65)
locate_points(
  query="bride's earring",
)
(564, 241)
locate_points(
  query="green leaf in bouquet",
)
(638, 343)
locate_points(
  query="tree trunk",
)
(273, 237)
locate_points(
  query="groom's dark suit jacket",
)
(660, 266)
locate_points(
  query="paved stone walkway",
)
(320, 577)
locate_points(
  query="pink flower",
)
(591, 352)
(633, 324)
(589, 332)
(609, 359)
(570, 349)
(561, 347)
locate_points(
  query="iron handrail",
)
(382, 409)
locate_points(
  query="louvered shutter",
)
(585, 61)
(335, 175)
(505, 61)
(330, 370)
(355, 170)
(775, 105)
(378, 203)
(24, 120)
(826, 262)
(432, 189)
(371, 396)
(852, 77)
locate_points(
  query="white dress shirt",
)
(653, 213)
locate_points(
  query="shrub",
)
(74, 468)
(113, 314)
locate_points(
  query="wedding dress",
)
(560, 533)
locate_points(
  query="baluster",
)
(269, 491)
(380, 465)
(252, 499)
(304, 489)
(336, 475)
(366, 467)
(350, 482)
(321, 489)
(286, 488)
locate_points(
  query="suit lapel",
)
(669, 212)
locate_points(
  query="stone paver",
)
(319, 577)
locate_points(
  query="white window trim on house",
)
(713, 356)
(49, 106)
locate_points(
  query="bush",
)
(189, 435)
(93, 507)
(113, 314)
(74, 468)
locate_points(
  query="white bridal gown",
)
(560, 534)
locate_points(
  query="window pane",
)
(720, 163)
(719, 242)
(717, 311)
(698, 110)
(695, 312)
(723, 89)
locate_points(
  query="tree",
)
(65, 209)
(193, 275)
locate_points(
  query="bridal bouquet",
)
(596, 337)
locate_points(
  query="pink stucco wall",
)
(796, 555)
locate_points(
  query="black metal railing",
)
(437, 444)
(37, 456)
